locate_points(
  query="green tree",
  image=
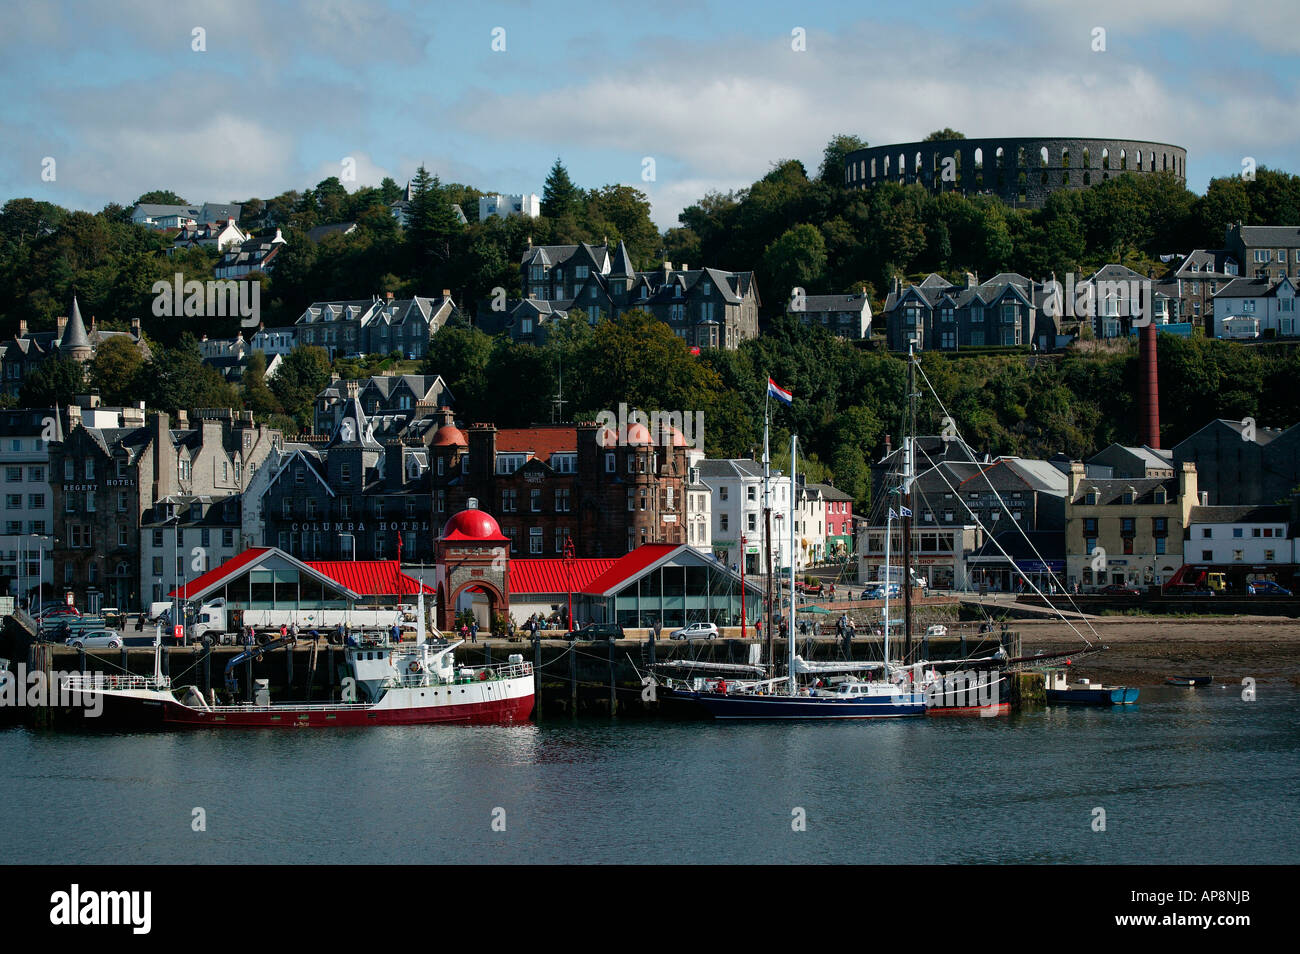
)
(834, 155)
(796, 260)
(302, 375)
(560, 197)
(115, 371)
(55, 381)
(945, 133)
(160, 197)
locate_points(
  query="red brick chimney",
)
(1149, 388)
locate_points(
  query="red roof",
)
(364, 577)
(552, 576)
(629, 565)
(541, 442)
(201, 583)
(368, 577)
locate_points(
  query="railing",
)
(92, 681)
(418, 680)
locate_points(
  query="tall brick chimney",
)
(1148, 388)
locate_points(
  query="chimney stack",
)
(22, 327)
(1148, 383)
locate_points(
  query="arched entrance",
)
(497, 604)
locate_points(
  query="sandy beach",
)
(1143, 651)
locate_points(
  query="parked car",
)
(695, 631)
(597, 631)
(1119, 589)
(1266, 588)
(58, 610)
(1187, 589)
(96, 639)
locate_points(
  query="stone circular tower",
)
(1023, 172)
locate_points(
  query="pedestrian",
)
(658, 628)
(396, 633)
(293, 630)
(510, 627)
(758, 627)
(473, 632)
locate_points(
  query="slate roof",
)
(1275, 235)
(1112, 491)
(1245, 514)
(74, 334)
(1252, 288)
(734, 468)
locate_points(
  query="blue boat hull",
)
(1116, 696)
(740, 706)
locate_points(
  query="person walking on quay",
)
(293, 630)
(284, 631)
(758, 629)
(658, 628)
(510, 628)
(473, 632)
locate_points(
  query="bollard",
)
(537, 678)
(573, 679)
(613, 700)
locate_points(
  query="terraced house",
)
(705, 307)
(374, 326)
(937, 315)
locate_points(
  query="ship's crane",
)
(252, 652)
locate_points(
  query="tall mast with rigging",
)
(790, 632)
(909, 473)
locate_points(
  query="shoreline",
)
(1144, 651)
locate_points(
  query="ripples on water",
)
(1188, 776)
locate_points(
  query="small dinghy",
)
(1188, 681)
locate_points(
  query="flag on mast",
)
(781, 394)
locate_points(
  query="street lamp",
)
(743, 541)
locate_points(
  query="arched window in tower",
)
(1138, 154)
(1123, 159)
(886, 167)
(998, 157)
(1105, 158)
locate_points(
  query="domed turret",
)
(450, 436)
(472, 525)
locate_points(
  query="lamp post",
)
(568, 571)
(743, 541)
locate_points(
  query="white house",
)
(506, 205)
(736, 506)
(1250, 307)
(218, 235)
(161, 217)
(1255, 538)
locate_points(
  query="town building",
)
(736, 503)
(1197, 278)
(505, 205)
(105, 480)
(705, 307)
(251, 255)
(28, 517)
(377, 325)
(1127, 530)
(937, 315)
(1245, 543)
(351, 497)
(396, 405)
(215, 235)
(845, 316)
(182, 536)
(27, 351)
(1252, 308)
(1269, 252)
(1241, 464)
(160, 217)
(838, 510)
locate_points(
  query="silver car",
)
(96, 639)
(695, 631)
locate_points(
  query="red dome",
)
(673, 436)
(637, 434)
(472, 525)
(449, 435)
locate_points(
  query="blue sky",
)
(713, 92)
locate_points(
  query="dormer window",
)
(1128, 496)
(1161, 496)
(1090, 498)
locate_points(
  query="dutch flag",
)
(781, 394)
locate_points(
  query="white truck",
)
(213, 621)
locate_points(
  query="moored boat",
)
(1188, 681)
(1086, 692)
(398, 684)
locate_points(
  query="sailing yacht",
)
(799, 693)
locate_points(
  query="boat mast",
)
(766, 615)
(889, 533)
(906, 513)
(790, 633)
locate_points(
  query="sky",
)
(284, 92)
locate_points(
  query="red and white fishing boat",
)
(396, 684)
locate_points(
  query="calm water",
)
(1189, 776)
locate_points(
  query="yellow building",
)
(1126, 530)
